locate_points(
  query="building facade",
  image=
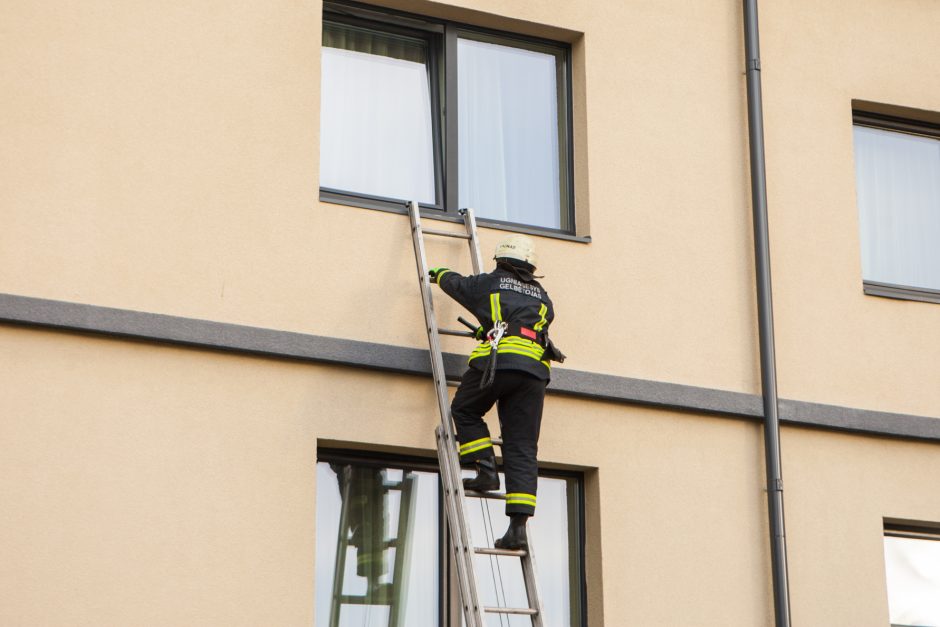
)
(216, 405)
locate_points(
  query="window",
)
(897, 169)
(912, 569)
(382, 558)
(447, 114)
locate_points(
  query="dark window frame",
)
(449, 601)
(442, 36)
(911, 127)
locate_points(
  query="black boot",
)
(515, 538)
(486, 478)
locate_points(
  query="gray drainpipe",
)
(765, 316)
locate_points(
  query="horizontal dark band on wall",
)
(342, 352)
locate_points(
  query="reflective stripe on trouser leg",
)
(469, 405)
(520, 503)
(476, 445)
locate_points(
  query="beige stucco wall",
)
(839, 490)
(181, 140)
(835, 344)
(152, 485)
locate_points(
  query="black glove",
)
(433, 273)
(553, 353)
(479, 334)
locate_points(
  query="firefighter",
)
(514, 312)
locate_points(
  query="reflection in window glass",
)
(912, 568)
(511, 163)
(375, 114)
(898, 187)
(377, 547)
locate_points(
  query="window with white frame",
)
(897, 169)
(446, 114)
(912, 570)
(382, 557)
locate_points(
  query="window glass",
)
(511, 158)
(898, 188)
(376, 134)
(378, 555)
(378, 559)
(435, 111)
(912, 568)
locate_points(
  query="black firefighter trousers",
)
(519, 398)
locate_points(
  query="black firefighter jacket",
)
(524, 305)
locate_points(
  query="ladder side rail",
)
(532, 589)
(470, 224)
(461, 545)
(437, 361)
(447, 447)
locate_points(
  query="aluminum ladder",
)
(464, 551)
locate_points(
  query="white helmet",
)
(517, 247)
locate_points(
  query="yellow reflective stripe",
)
(509, 351)
(519, 347)
(517, 341)
(495, 314)
(515, 346)
(519, 498)
(510, 348)
(442, 273)
(478, 448)
(541, 323)
(474, 443)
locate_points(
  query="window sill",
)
(902, 292)
(436, 213)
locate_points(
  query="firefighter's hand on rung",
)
(433, 273)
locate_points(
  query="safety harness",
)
(503, 329)
(493, 336)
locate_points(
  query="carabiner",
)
(495, 334)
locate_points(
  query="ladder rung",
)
(455, 332)
(483, 550)
(486, 495)
(445, 233)
(528, 611)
